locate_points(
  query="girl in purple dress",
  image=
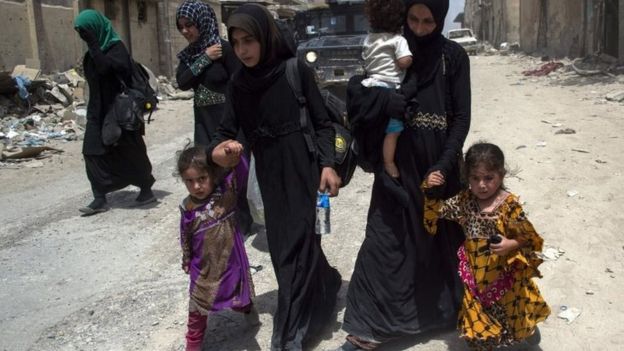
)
(213, 253)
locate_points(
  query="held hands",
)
(504, 247)
(214, 52)
(185, 267)
(330, 181)
(435, 178)
(227, 154)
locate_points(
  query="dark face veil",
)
(427, 49)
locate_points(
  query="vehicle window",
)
(333, 24)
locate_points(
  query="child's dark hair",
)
(195, 156)
(385, 15)
(486, 154)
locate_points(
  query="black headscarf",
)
(257, 20)
(427, 50)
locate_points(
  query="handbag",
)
(126, 112)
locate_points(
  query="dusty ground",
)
(112, 281)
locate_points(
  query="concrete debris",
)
(569, 313)
(617, 96)
(551, 254)
(566, 131)
(54, 108)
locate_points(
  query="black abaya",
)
(111, 168)
(405, 281)
(288, 176)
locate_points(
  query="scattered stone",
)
(569, 313)
(581, 151)
(616, 96)
(551, 253)
(601, 161)
(572, 193)
(520, 147)
(589, 292)
(608, 270)
(566, 131)
(541, 144)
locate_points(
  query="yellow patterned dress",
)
(501, 303)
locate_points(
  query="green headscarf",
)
(99, 25)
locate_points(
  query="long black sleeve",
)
(115, 61)
(365, 108)
(229, 126)
(323, 128)
(459, 103)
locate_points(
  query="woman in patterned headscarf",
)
(405, 281)
(109, 168)
(206, 66)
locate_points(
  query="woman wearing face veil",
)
(405, 281)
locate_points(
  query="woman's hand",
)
(214, 52)
(330, 181)
(435, 178)
(227, 153)
(505, 246)
(185, 267)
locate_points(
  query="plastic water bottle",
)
(322, 214)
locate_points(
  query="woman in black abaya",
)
(260, 102)
(405, 282)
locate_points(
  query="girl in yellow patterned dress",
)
(501, 304)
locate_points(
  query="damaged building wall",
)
(574, 28)
(15, 44)
(58, 46)
(493, 21)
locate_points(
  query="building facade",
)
(570, 28)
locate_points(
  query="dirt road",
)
(113, 282)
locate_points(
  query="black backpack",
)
(141, 82)
(346, 153)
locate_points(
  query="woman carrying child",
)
(501, 305)
(260, 102)
(213, 252)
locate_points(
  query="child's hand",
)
(227, 154)
(214, 52)
(435, 178)
(504, 247)
(185, 267)
(330, 181)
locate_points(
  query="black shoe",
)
(98, 205)
(145, 197)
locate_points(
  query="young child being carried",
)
(501, 304)
(213, 252)
(386, 56)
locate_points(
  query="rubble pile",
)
(36, 109)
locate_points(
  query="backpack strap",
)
(294, 80)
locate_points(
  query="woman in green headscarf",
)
(109, 168)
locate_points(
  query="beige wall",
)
(15, 44)
(59, 46)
